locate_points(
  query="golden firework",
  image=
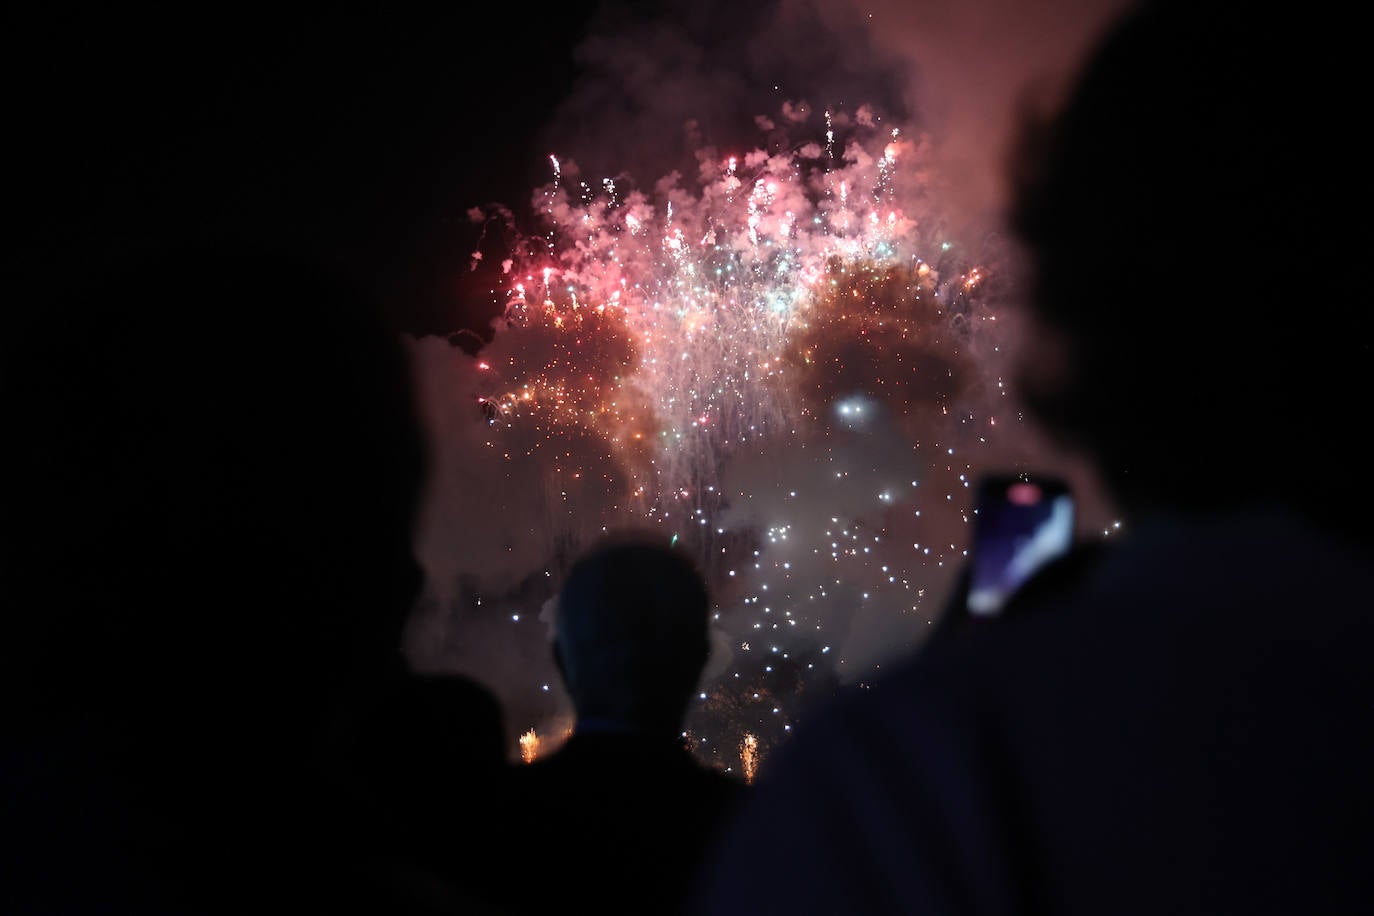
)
(529, 746)
(749, 756)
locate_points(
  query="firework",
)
(749, 756)
(529, 746)
(670, 314)
(775, 363)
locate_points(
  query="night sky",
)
(354, 137)
(368, 140)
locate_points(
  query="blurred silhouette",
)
(624, 806)
(423, 740)
(429, 755)
(1176, 720)
(212, 470)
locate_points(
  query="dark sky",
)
(359, 136)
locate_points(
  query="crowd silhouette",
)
(1175, 720)
(213, 467)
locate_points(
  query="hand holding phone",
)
(1021, 524)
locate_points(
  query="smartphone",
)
(1022, 522)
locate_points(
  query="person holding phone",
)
(1025, 543)
(1182, 725)
(1021, 526)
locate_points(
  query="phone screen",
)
(1022, 523)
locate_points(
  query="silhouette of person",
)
(429, 754)
(213, 466)
(1179, 724)
(629, 808)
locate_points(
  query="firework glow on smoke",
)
(675, 316)
(781, 362)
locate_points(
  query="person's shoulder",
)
(876, 718)
(719, 784)
(946, 689)
(555, 765)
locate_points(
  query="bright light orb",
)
(855, 411)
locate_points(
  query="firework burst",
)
(774, 362)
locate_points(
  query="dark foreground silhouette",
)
(1176, 721)
(212, 467)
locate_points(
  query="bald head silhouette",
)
(631, 634)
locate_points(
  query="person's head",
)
(1191, 220)
(631, 634)
(214, 469)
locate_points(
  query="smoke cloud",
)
(831, 545)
